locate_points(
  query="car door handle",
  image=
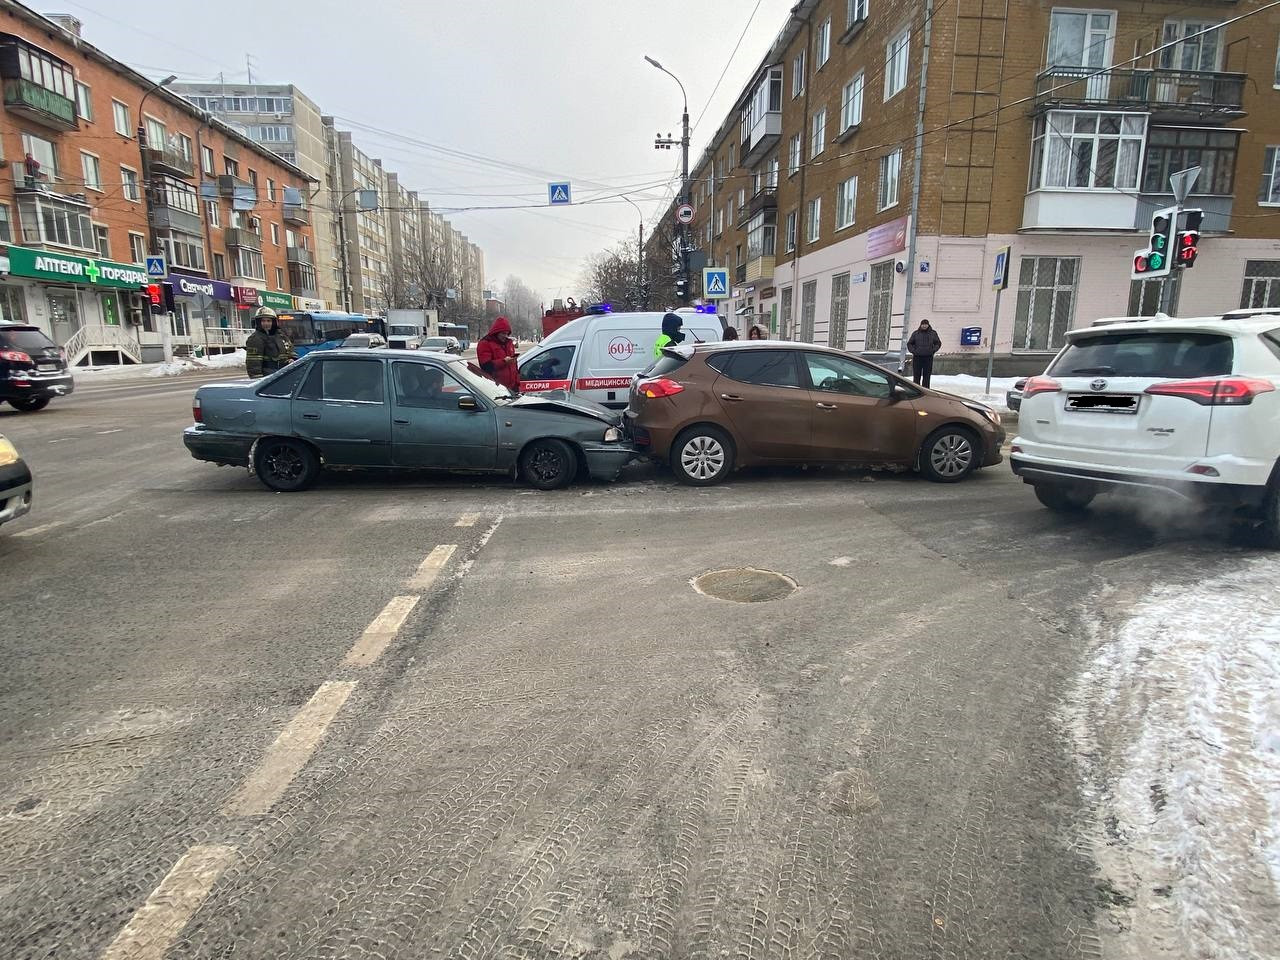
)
(731, 396)
(828, 406)
(403, 423)
(311, 416)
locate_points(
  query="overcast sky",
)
(538, 87)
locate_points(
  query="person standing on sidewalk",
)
(496, 356)
(924, 343)
(267, 349)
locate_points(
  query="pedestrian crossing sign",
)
(715, 283)
(558, 193)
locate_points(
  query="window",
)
(818, 133)
(785, 311)
(84, 102)
(760, 236)
(1261, 284)
(1046, 302)
(765, 99)
(890, 174)
(92, 171)
(45, 70)
(1213, 151)
(6, 224)
(184, 251)
(1197, 45)
(851, 102)
(840, 375)
(551, 364)
(280, 278)
(230, 167)
(12, 304)
(879, 307)
(719, 222)
(206, 160)
(813, 220)
(855, 12)
(248, 263)
(275, 234)
(355, 381)
(793, 155)
(808, 308)
(838, 331)
(769, 368)
(822, 47)
(797, 75)
(45, 154)
(1144, 297)
(284, 385)
(157, 136)
(253, 179)
(1081, 38)
(129, 184)
(271, 191)
(771, 174)
(791, 231)
(897, 55)
(846, 203)
(53, 220)
(219, 267)
(1269, 195)
(212, 213)
(1087, 150)
(137, 248)
(729, 214)
(120, 113)
(272, 133)
(178, 195)
(302, 278)
(427, 387)
(1277, 77)
(1146, 355)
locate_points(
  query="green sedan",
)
(400, 409)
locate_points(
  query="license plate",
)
(1102, 403)
(46, 366)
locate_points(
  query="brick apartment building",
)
(1046, 127)
(82, 202)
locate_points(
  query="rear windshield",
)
(1164, 355)
(664, 366)
(25, 340)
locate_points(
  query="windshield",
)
(478, 384)
(434, 343)
(1163, 355)
(401, 330)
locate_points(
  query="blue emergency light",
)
(706, 308)
(600, 308)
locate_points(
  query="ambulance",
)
(596, 356)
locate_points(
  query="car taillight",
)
(15, 356)
(662, 387)
(1228, 392)
(62, 354)
(196, 413)
(1036, 385)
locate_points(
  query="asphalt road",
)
(441, 717)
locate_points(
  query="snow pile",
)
(975, 388)
(1179, 728)
(180, 365)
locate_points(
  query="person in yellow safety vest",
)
(671, 334)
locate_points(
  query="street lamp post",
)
(684, 172)
(642, 301)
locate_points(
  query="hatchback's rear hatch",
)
(28, 347)
(1115, 393)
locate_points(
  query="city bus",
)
(458, 330)
(324, 329)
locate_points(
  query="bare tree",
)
(522, 307)
(614, 275)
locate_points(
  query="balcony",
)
(761, 137)
(171, 218)
(171, 161)
(243, 239)
(40, 105)
(1217, 210)
(764, 199)
(296, 214)
(760, 269)
(1053, 209)
(299, 255)
(244, 195)
(1168, 95)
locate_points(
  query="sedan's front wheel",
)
(702, 456)
(548, 464)
(285, 465)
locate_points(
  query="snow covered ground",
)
(172, 368)
(1177, 723)
(975, 388)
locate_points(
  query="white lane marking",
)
(151, 931)
(379, 634)
(431, 567)
(103, 433)
(465, 567)
(62, 439)
(34, 531)
(467, 520)
(290, 752)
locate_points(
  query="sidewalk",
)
(170, 368)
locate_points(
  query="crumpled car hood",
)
(560, 401)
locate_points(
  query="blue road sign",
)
(156, 267)
(558, 193)
(715, 283)
(1000, 277)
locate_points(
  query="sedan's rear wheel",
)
(548, 464)
(702, 456)
(285, 465)
(949, 455)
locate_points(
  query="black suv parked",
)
(33, 369)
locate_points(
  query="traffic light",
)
(1157, 259)
(1188, 246)
(682, 289)
(159, 296)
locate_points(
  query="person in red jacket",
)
(496, 355)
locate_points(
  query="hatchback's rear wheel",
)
(548, 464)
(1064, 498)
(30, 404)
(285, 465)
(949, 455)
(702, 456)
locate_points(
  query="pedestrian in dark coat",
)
(924, 343)
(267, 349)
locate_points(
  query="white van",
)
(596, 356)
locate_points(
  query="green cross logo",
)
(92, 272)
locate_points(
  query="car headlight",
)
(986, 411)
(8, 453)
(612, 435)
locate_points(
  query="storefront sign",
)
(245, 296)
(276, 301)
(63, 268)
(887, 238)
(200, 287)
(306, 303)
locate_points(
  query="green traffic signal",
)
(1159, 241)
(1155, 259)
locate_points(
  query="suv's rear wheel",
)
(285, 465)
(949, 455)
(30, 404)
(702, 456)
(1064, 498)
(1271, 516)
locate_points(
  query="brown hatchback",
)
(708, 409)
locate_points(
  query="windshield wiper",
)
(1085, 371)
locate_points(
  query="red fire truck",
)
(561, 312)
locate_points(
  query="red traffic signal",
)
(1140, 264)
(155, 294)
(1188, 247)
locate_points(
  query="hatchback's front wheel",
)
(702, 456)
(949, 455)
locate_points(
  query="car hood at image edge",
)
(562, 402)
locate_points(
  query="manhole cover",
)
(744, 585)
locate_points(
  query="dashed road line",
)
(430, 568)
(103, 433)
(290, 752)
(151, 931)
(379, 634)
(467, 520)
(62, 439)
(35, 531)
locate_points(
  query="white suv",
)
(1185, 408)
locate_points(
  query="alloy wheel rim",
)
(702, 458)
(951, 455)
(546, 465)
(284, 463)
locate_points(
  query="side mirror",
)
(899, 392)
(467, 402)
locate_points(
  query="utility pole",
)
(661, 143)
(917, 163)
